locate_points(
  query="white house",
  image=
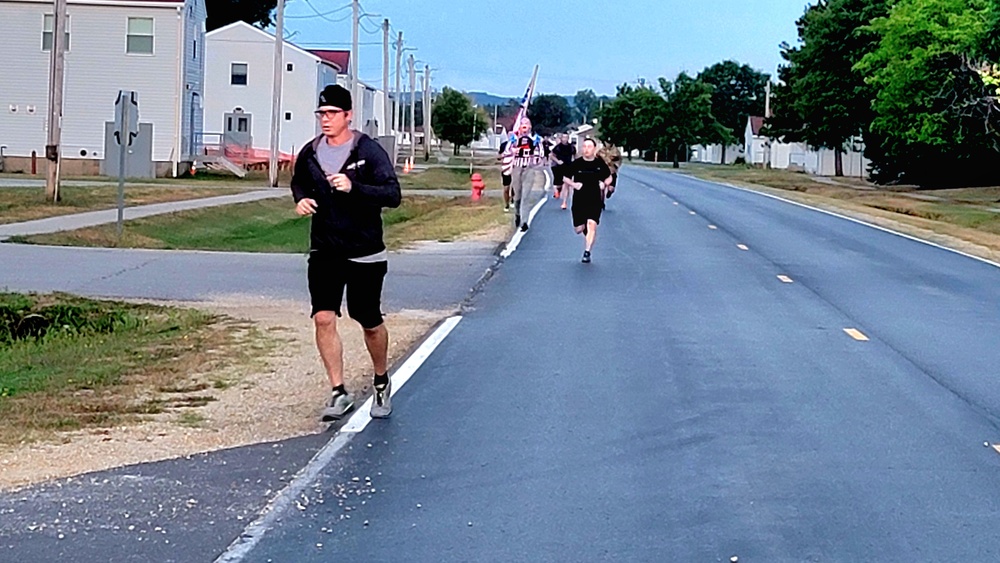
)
(756, 147)
(239, 85)
(712, 154)
(775, 153)
(154, 47)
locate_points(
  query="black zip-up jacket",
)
(349, 224)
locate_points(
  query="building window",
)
(194, 50)
(290, 67)
(238, 74)
(288, 116)
(48, 22)
(139, 39)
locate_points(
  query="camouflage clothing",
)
(612, 156)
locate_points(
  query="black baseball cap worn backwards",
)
(335, 96)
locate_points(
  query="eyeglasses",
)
(331, 113)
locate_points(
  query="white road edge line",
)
(857, 221)
(254, 532)
(518, 234)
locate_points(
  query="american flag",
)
(523, 110)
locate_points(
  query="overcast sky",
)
(492, 45)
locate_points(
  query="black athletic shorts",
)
(587, 204)
(506, 178)
(557, 175)
(329, 276)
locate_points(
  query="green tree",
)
(585, 102)
(935, 92)
(224, 12)
(455, 120)
(821, 98)
(738, 91)
(621, 116)
(549, 113)
(689, 118)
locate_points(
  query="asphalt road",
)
(676, 400)
(428, 277)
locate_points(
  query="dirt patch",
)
(276, 398)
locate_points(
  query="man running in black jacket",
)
(343, 179)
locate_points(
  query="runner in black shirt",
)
(589, 175)
(562, 155)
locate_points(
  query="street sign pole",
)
(126, 129)
(122, 156)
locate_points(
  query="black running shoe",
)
(586, 257)
(524, 226)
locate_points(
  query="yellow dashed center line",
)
(675, 203)
(785, 279)
(692, 212)
(742, 247)
(713, 227)
(856, 334)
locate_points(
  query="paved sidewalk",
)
(105, 216)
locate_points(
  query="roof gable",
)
(245, 29)
(337, 58)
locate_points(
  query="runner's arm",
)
(381, 185)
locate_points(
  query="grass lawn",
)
(69, 363)
(272, 226)
(448, 178)
(25, 204)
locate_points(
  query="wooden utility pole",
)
(427, 112)
(413, 111)
(386, 119)
(354, 52)
(279, 51)
(56, 73)
(397, 118)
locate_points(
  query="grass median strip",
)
(26, 204)
(272, 226)
(448, 178)
(69, 363)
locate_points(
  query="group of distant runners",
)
(586, 181)
(343, 179)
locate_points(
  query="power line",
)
(337, 44)
(325, 15)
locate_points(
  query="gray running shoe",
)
(340, 404)
(382, 401)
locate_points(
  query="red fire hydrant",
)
(477, 186)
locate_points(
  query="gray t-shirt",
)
(332, 157)
(331, 160)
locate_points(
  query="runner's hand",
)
(306, 206)
(340, 182)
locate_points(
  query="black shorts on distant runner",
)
(506, 179)
(587, 204)
(329, 276)
(557, 175)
